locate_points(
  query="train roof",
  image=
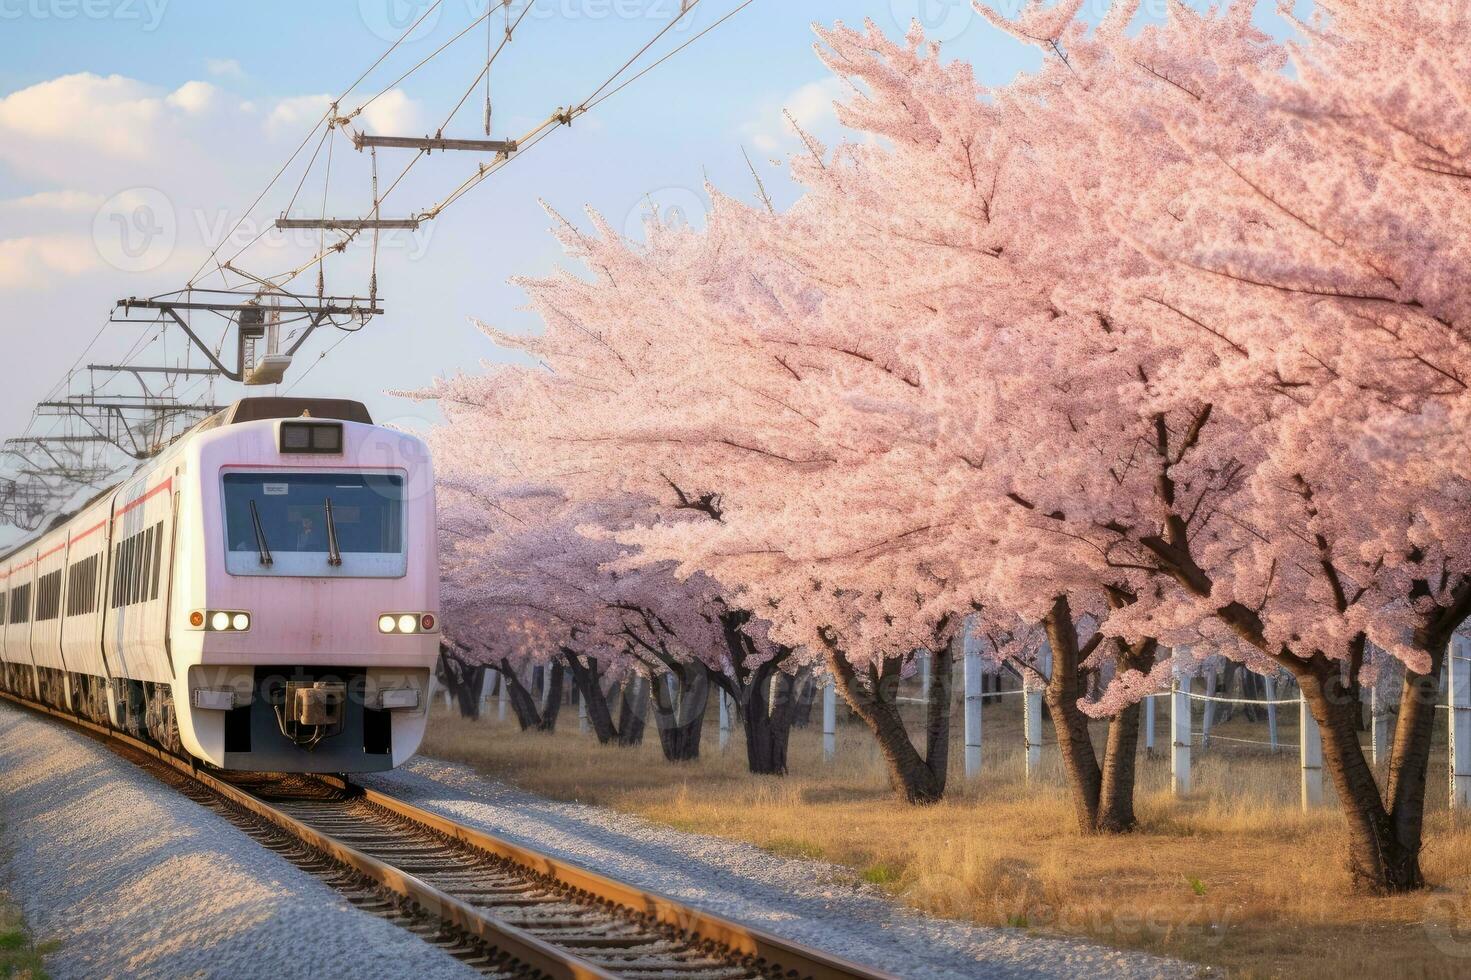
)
(243, 410)
(255, 409)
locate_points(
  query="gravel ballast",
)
(132, 879)
(807, 901)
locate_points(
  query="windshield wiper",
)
(334, 554)
(260, 535)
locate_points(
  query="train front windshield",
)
(301, 523)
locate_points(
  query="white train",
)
(263, 595)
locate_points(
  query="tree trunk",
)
(530, 715)
(1120, 755)
(589, 686)
(917, 779)
(806, 695)
(763, 696)
(462, 680)
(1103, 795)
(522, 703)
(680, 714)
(552, 707)
(1074, 743)
(1379, 860)
(766, 710)
(633, 706)
(1409, 760)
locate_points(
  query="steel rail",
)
(529, 950)
(744, 939)
(773, 954)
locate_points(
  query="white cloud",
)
(393, 114)
(115, 115)
(811, 106)
(75, 201)
(225, 68)
(194, 96)
(37, 262)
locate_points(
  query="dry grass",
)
(1235, 876)
(20, 957)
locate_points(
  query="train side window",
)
(48, 597)
(140, 570)
(81, 587)
(145, 539)
(119, 569)
(20, 604)
(157, 556)
(128, 552)
(150, 583)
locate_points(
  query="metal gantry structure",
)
(249, 329)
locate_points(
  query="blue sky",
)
(190, 106)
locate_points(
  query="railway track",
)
(506, 910)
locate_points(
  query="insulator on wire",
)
(487, 115)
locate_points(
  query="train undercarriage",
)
(293, 719)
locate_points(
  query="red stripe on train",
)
(91, 530)
(165, 485)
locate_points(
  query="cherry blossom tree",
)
(1309, 227)
(1158, 346)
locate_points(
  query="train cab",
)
(263, 595)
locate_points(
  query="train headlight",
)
(414, 622)
(219, 620)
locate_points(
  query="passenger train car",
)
(263, 595)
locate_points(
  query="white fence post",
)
(1180, 735)
(829, 720)
(503, 698)
(1460, 721)
(924, 675)
(1272, 711)
(1379, 723)
(1032, 729)
(582, 714)
(973, 698)
(724, 719)
(1310, 749)
(1149, 725)
(1208, 716)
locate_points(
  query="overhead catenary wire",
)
(323, 129)
(325, 117)
(607, 89)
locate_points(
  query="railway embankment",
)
(810, 902)
(129, 878)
